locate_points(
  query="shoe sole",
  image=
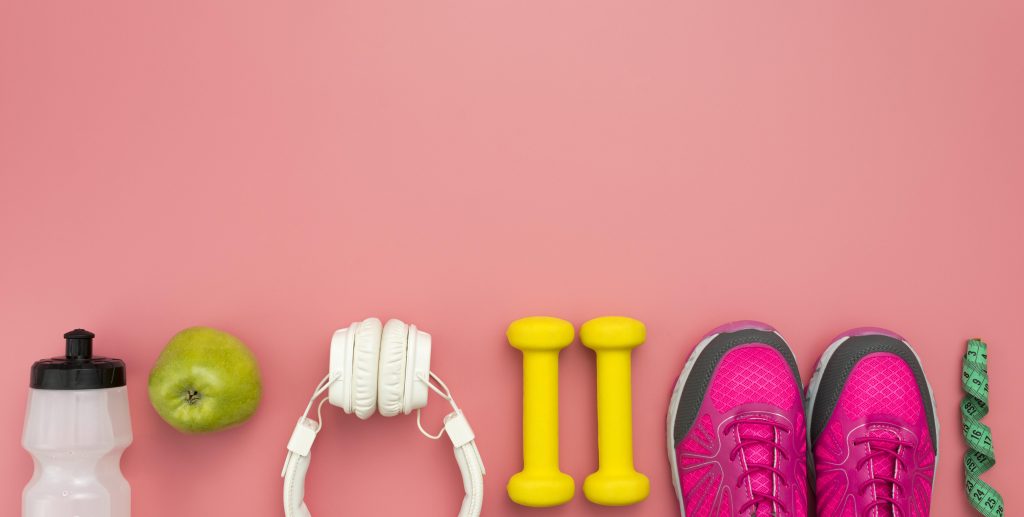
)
(677, 393)
(819, 370)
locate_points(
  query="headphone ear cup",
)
(342, 352)
(391, 377)
(417, 370)
(365, 361)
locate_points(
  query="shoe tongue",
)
(883, 465)
(758, 454)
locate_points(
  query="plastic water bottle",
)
(76, 428)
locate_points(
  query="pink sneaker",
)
(873, 428)
(736, 433)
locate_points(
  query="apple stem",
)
(192, 396)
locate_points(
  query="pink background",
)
(281, 169)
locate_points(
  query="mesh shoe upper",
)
(875, 454)
(743, 451)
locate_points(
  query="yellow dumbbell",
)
(540, 483)
(616, 482)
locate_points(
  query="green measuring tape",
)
(979, 457)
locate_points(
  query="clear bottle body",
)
(76, 438)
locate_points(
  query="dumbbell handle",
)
(540, 410)
(615, 407)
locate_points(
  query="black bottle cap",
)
(78, 369)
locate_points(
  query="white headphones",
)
(387, 369)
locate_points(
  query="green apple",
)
(205, 380)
